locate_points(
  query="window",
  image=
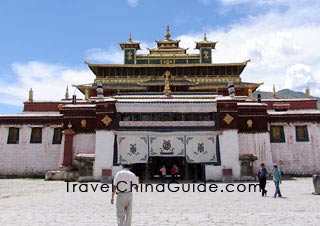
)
(277, 134)
(135, 117)
(36, 135)
(302, 133)
(13, 135)
(208, 117)
(57, 136)
(188, 117)
(145, 117)
(166, 117)
(177, 117)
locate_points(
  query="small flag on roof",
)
(231, 89)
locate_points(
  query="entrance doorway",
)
(139, 170)
(197, 172)
(168, 162)
(151, 170)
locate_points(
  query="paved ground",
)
(37, 202)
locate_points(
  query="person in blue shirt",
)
(277, 180)
(262, 176)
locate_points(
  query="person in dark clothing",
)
(262, 176)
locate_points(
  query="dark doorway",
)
(194, 172)
(168, 162)
(197, 172)
(139, 170)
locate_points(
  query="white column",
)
(104, 152)
(229, 155)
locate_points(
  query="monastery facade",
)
(163, 108)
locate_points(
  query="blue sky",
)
(45, 42)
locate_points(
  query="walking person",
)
(277, 180)
(163, 171)
(262, 176)
(123, 184)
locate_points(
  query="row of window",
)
(36, 135)
(277, 134)
(176, 71)
(166, 116)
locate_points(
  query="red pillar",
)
(68, 147)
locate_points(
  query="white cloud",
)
(133, 3)
(300, 76)
(48, 81)
(282, 45)
(111, 56)
(276, 42)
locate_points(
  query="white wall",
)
(83, 143)
(229, 153)
(259, 145)
(104, 152)
(298, 157)
(26, 158)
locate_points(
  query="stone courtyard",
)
(47, 203)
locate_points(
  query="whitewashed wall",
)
(26, 158)
(104, 152)
(229, 153)
(83, 143)
(298, 157)
(259, 145)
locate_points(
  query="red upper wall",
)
(47, 105)
(31, 106)
(292, 104)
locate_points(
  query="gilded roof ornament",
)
(205, 37)
(274, 94)
(66, 95)
(30, 94)
(308, 92)
(168, 36)
(250, 94)
(130, 37)
(86, 94)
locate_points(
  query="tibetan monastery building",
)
(162, 108)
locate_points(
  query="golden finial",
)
(250, 95)
(66, 96)
(168, 36)
(205, 37)
(274, 94)
(86, 94)
(167, 90)
(130, 37)
(30, 94)
(308, 92)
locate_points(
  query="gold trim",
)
(106, 120)
(228, 119)
(83, 123)
(174, 65)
